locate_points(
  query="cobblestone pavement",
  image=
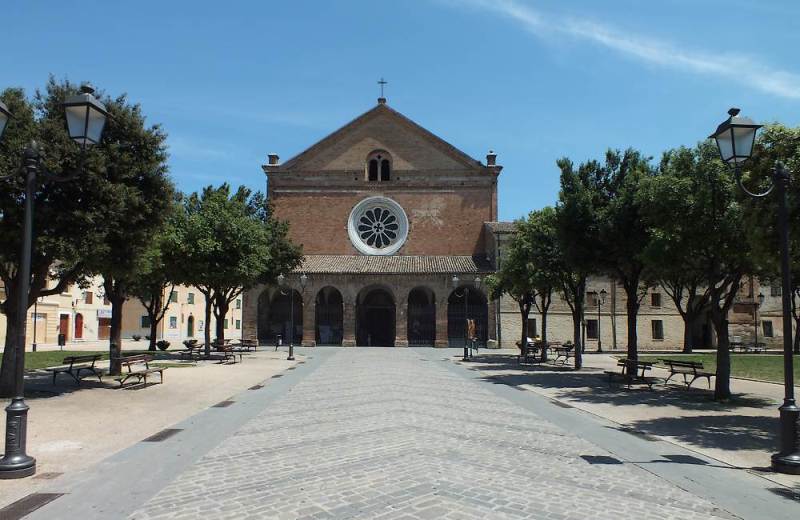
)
(394, 433)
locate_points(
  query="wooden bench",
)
(74, 365)
(686, 369)
(639, 375)
(192, 351)
(528, 353)
(134, 365)
(563, 353)
(227, 352)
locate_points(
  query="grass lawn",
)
(50, 358)
(766, 367)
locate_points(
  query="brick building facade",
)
(391, 220)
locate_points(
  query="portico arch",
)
(276, 317)
(329, 313)
(477, 309)
(421, 317)
(375, 317)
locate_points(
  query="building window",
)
(530, 328)
(591, 329)
(173, 322)
(658, 329)
(379, 167)
(238, 304)
(591, 298)
(238, 324)
(145, 322)
(655, 299)
(225, 323)
(766, 326)
(775, 290)
(190, 298)
(173, 297)
(88, 297)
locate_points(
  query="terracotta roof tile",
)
(352, 264)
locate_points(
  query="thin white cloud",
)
(738, 67)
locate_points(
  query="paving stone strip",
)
(378, 433)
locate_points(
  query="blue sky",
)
(533, 80)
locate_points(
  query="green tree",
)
(775, 143)
(669, 209)
(604, 196)
(137, 195)
(696, 203)
(156, 275)
(65, 217)
(229, 243)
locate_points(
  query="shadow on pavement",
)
(724, 432)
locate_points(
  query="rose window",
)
(378, 226)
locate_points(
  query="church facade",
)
(393, 224)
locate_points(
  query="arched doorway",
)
(477, 309)
(262, 317)
(190, 326)
(79, 326)
(375, 318)
(421, 317)
(328, 317)
(280, 318)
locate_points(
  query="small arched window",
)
(379, 167)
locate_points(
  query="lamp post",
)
(755, 317)
(465, 294)
(601, 300)
(735, 137)
(86, 117)
(282, 283)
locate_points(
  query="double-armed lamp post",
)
(601, 300)
(285, 286)
(86, 117)
(735, 137)
(465, 294)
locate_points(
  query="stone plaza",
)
(364, 433)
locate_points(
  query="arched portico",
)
(421, 320)
(476, 308)
(375, 317)
(276, 317)
(328, 316)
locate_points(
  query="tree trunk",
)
(9, 356)
(524, 312)
(576, 335)
(222, 307)
(689, 320)
(207, 325)
(722, 386)
(544, 335)
(632, 308)
(153, 332)
(115, 340)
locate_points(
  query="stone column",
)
(441, 322)
(401, 324)
(309, 319)
(348, 321)
(491, 323)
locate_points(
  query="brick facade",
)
(446, 196)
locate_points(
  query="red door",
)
(78, 326)
(63, 325)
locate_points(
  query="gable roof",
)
(379, 109)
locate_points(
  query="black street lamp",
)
(735, 137)
(86, 118)
(465, 295)
(601, 300)
(282, 283)
(755, 317)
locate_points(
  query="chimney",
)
(273, 159)
(381, 100)
(491, 158)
